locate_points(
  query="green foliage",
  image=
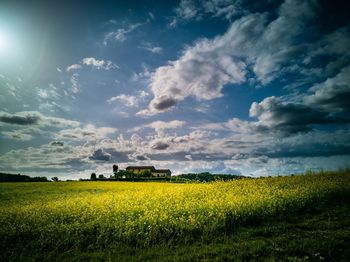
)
(90, 216)
(4, 177)
(204, 177)
(93, 176)
(145, 173)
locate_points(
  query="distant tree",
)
(124, 174)
(38, 179)
(101, 176)
(54, 179)
(93, 176)
(115, 170)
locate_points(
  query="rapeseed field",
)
(63, 216)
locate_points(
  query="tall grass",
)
(93, 215)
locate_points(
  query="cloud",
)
(75, 86)
(17, 135)
(99, 64)
(28, 118)
(279, 42)
(253, 44)
(57, 143)
(73, 67)
(94, 63)
(332, 94)
(160, 146)
(162, 125)
(120, 34)
(87, 133)
(153, 49)
(21, 118)
(100, 155)
(288, 118)
(128, 100)
(204, 68)
(44, 158)
(195, 10)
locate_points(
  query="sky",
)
(257, 88)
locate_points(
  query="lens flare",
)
(3, 41)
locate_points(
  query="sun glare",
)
(3, 41)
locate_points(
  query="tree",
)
(115, 170)
(93, 176)
(54, 179)
(101, 176)
(145, 173)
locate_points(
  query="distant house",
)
(151, 169)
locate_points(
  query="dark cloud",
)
(27, 118)
(160, 146)
(100, 155)
(333, 94)
(286, 117)
(141, 157)
(336, 98)
(163, 103)
(306, 149)
(118, 156)
(57, 143)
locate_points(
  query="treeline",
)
(4, 177)
(204, 177)
(124, 175)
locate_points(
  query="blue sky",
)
(256, 88)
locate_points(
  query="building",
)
(162, 173)
(151, 169)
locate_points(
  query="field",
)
(290, 218)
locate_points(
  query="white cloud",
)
(251, 42)
(87, 133)
(120, 34)
(99, 64)
(17, 135)
(75, 86)
(73, 67)
(153, 49)
(195, 10)
(128, 100)
(204, 68)
(162, 125)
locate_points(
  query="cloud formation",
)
(94, 63)
(21, 118)
(120, 34)
(99, 64)
(288, 118)
(100, 155)
(128, 100)
(35, 118)
(196, 9)
(87, 133)
(253, 45)
(332, 94)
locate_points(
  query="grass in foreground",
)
(101, 220)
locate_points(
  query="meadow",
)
(104, 220)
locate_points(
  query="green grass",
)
(284, 218)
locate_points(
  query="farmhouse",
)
(151, 169)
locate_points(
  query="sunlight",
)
(3, 41)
